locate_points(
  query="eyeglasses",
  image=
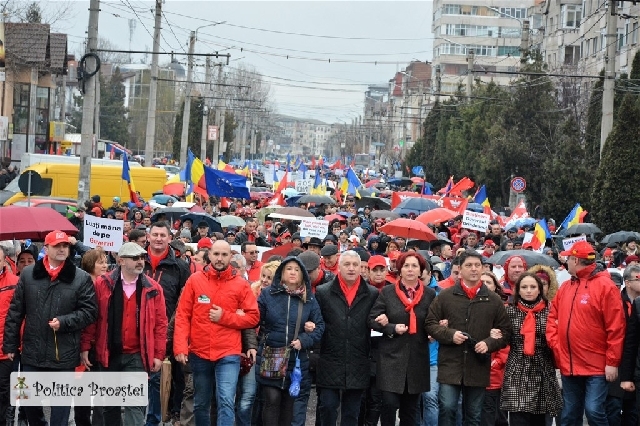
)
(135, 258)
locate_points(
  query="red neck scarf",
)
(410, 304)
(317, 281)
(471, 292)
(155, 260)
(53, 273)
(528, 329)
(349, 292)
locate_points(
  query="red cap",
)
(489, 243)
(376, 260)
(394, 254)
(581, 250)
(205, 243)
(54, 238)
(632, 258)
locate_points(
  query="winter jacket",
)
(344, 351)
(614, 387)
(498, 363)
(195, 333)
(324, 277)
(8, 284)
(71, 298)
(586, 325)
(152, 322)
(278, 313)
(629, 371)
(171, 273)
(530, 384)
(459, 364)
(401, 357)
(241, 237)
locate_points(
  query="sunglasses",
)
(135, 258)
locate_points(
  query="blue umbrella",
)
(293, 200)
(415, 205)
(529, 221)
(475, 207)
(163, 199)
(196, 218)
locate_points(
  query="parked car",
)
(59, 204)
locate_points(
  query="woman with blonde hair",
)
(266, 277)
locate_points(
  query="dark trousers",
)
(35, 415)
(82, 415)
(348, 401)
(132, 415)
(277, 409)
(407, 405)
(492, 415)
(6, 367)
(518, 418)
(621, 411)
(371, 405)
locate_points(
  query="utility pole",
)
(438, 83)
(150, 135)
(524, 41)
(217, 145)
(243, 138)
(470, 57)
(88, 106)
(186, 115)
(609, 75)
(63, 102)
(96, 117)
(205, 111)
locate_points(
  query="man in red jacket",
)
(131, 331)
(215, 306)
(8, 283)
(585, 331)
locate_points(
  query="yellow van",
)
(61, 180)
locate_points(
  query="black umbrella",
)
(620, 237)
(171, 214)
(316, 198)
(380, 203)
(583, 228)
(531, 257)
(415, 205)
(384, 214)
(196, 218)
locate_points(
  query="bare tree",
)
(54, 13)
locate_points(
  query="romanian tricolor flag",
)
(540, 234)
(126, 176)
(482, 199)
(576, 216)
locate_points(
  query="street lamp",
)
(213, 24)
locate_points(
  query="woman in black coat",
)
(402, 366)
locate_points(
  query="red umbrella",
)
(196, 209)
(176, 188)
(417, 179)
(436, 216)
(372, 182)
(333, 217)
(408, 228)
(19, 223)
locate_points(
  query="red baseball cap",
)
(54, 238)
(581, 250)
(204, 243)
(376, 260)
(489, 243)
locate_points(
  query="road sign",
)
(518, 184)
(212, 133)
(401, 143)
(30, 183)
(396, 148)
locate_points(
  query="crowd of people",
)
(380, 327)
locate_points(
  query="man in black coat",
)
(53, 319)
(343, 368)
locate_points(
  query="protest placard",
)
(475, 221)
(303, 186)
(105, 233)
(314, 228)
(567, 243)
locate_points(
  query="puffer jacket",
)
(8, 284)
(459, 364)
(586, 325)
(553, 281)
(171, 273)
(344, 351)
(195, 333)
(278, 314)
(71, 298)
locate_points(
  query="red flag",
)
(463, 184)
(283, 183)
(338, 196)
(353, 163)
(278, 200)
(112, 155)
(224, 203)
(313, 162)
(336, 165)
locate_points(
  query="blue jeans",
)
(472, 400)
(301, 402)
(584, 394)
(348, 401)
(153, 409)
(245, 396)
(224, 374)
(430, 400)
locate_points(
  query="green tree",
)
(614, 194)
(194, 135)
(33, 14)
(114, 124)
(230, 126)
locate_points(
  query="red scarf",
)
(155, 260)
(528, 329)
(53, 273)
(349, 292)
(317, 281)
(471, 292)
(410, 304)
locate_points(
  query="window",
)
(595, 45)
(514, 12)
(634, 33)
(21, 94)
(621, 39)
(508, 51)
(571, 14)
(571, 55)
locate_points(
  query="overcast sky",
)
(391, 33)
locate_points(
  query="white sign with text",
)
(475, 221)
(314, 228)
(567, 243)
(105, 233)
